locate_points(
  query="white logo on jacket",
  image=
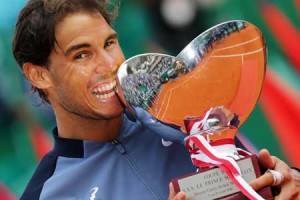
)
(94, 191)
(166, 143)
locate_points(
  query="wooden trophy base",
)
(214, 183)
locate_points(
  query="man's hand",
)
(174, 196)
(290, 186)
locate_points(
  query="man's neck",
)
(89, 129)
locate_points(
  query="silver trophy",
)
(208, 90)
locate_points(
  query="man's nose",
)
(105, 63)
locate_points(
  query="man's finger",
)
(174, 196)
(172, 191)
(179, 196)
(262, 181)
(266, 159)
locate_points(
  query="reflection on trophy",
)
(208, 90)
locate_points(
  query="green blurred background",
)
(155, 26)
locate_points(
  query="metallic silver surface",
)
(224, 66)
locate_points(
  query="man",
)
(70, 54)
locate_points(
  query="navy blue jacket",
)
(135, 166)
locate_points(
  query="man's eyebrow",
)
(112, 36)
(76, 47)
(85, 45)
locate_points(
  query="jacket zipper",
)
(122, 150)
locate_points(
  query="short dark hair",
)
(34, 36)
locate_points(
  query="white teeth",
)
(105, 96)
(104, 88)
(105, 91)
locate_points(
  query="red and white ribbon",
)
(198, 145)
(221, 153)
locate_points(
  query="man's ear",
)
(38, 76)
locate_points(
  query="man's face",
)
(83, 68)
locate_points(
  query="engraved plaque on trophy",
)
(215, 184)
(208, 90)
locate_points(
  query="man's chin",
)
(116, 113)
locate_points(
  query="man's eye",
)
(109, 43)
(80, 56)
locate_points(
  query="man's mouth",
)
(105, 90)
